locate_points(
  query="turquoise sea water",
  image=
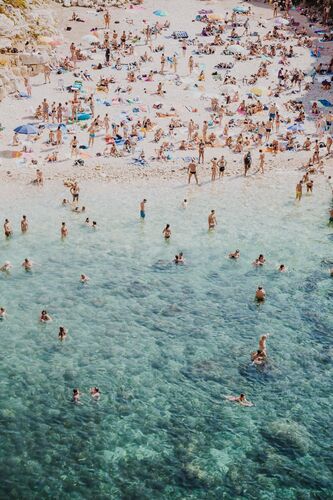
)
(165, 343)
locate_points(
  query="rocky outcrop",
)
(21, 21)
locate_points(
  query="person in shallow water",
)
(241, 399)
(95, 392)
(258, 357)
(76, 396)
(260, 261)
(234, 255)
(5, 268)
(167, 232)
(62, 333)
(142, 208)
(282, 268)
(44, 317)
(260, 294)
(212, 221)
(84, 278)
(27, 264)
(2, 312)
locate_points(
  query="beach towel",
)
(326, 103)
(179, 34)
(315, 55)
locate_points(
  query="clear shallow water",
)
(165, 343)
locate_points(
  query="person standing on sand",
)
(275, 9)
(190, 129)
(142, 208)
(222, 164)
(59, 136)
(214, 169)
(74, 147)
(45, 110)
(261, 161)
(47, 74)
(190, 64)
(92, 135)
(299, 190)
(192, 170)
(162, 64)
(247, 162)
(24, 224)
(201, 152)
(107, 20)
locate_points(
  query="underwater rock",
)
(289, 438)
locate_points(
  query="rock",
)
(289, 438)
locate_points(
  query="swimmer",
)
(94, 224)
(7, 229)
(87, 221)
(64, 202)
(2, 313)
(63, 230)
(76, 396)
(282, 268)
(84, 278)
(260, 261)
(262, 344)
(6, 267)
(179, 259)
(212, 221)
(62, 333)
(184, 203)
(142, 208)
(166, 232)
(27, 264)
(331, 272)
(258, 357)
(44, 317)
(24, 224)
(95, 392)
(241, 399)
(234, 255)
(260, 294)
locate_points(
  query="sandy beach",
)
(183, 93)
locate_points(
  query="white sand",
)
(15, 112)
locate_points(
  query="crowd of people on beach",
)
(237, 121)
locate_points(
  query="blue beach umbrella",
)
(160, 13)
(26, 129)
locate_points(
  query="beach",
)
(166, 319)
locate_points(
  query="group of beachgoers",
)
(238, 121)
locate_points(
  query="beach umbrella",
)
(90, 38)
(237, 49)
(26, 129)
(160, 13)
(240, 9)
(281, 21)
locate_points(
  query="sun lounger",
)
(178, 35)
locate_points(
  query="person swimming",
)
(234, 255)
(258, 357)
(44, 317)
(260, 294)
(179, 259)
(2, 313)
(241, 399)
(6, 267)
(260, 261)
(282, 268)
(62, 333)
(184, 203)
(84, 278)
(27, 264)
(76, 396)
(95, 392)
